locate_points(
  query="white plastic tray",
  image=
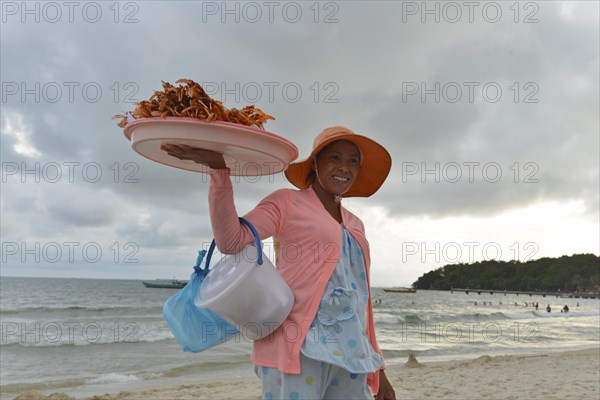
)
(248, 151)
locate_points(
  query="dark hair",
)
(310, 178)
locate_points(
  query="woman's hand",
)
(386, 391)
(209, 158)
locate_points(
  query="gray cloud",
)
(358, 72)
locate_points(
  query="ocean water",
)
(85, 337)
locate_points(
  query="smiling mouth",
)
(340, 179)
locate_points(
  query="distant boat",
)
(174, 284)
(401, 290)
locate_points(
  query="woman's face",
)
(337, 165)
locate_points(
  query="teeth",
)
(339, 178)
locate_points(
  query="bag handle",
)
(202, 253)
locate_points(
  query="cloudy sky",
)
(489, 110)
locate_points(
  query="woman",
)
(326, 348)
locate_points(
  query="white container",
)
(254, 298)
(247, 150)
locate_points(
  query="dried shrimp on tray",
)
(186, 115)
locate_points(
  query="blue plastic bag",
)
(196, 329)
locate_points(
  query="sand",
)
(567, 375)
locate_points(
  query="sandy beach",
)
(566, 375)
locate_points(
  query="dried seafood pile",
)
(190, 100)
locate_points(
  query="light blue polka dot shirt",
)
(338, 333)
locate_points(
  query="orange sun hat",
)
(375, 164)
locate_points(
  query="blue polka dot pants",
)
(318, 380)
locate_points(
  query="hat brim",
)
(374, 168)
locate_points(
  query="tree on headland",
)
(579, 272)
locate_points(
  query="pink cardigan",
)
(309, 249)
